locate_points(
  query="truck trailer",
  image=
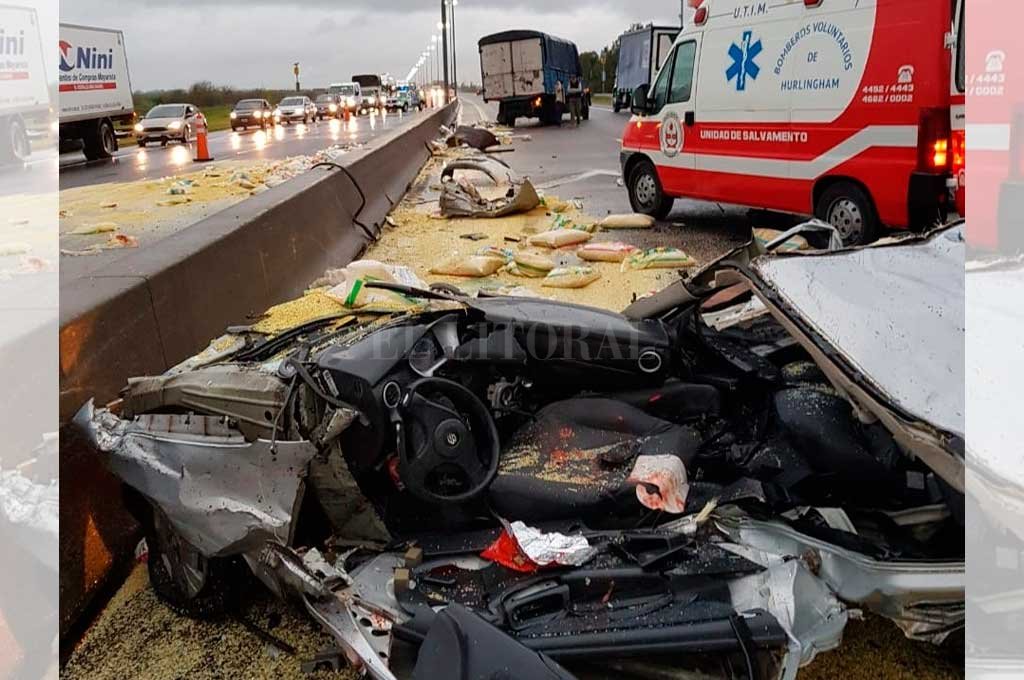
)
(94, 89)
(520, 69)
(641, 53)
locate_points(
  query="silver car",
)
(168, 122)
(295, 109)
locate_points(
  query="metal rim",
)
(107, 139)
(646, 189)
(21, 147)
(185, 566)
(847, 217)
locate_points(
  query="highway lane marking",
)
(479, 111)
(579, 177)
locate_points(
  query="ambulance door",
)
(675, 95)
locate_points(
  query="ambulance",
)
(836, 108)
(993, 79)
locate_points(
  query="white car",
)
(299, 108)
(169, 122)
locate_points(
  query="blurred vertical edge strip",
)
(28, 341)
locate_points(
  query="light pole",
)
(455, 51)
(443, 27)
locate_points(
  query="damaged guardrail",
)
(153, 308)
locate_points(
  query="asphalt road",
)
(135, 163)
(583, 163)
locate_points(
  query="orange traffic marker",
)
(202, 149)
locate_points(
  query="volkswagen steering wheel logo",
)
(451, 438)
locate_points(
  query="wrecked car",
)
(719, 477)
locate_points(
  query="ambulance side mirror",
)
(639, 103)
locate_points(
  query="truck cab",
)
(520, 71)
(372, 89)
(350, 95)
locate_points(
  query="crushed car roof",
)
(893, 313)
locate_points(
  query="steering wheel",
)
(448, 446)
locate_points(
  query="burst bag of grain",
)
(630, 221)
(570, 277)
(658, 258)
(557, 238)
(605, 251)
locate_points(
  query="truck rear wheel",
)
(100, 142)
(645, 193)
(14, 145)
(850, 210)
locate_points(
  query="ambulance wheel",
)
(849, 209)
(645, 193)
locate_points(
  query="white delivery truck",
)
(24, 96)
(95, 91)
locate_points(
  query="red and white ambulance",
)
(837, 108)
(992, 75)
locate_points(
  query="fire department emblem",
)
(671, 134)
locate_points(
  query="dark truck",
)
(520, 69)
(641, 54)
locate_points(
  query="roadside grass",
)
(218, 117)
(602, 99)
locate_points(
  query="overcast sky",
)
(173, 43)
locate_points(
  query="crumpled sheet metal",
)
(804, 606)
(459, 198)
(224, 495)
(926, 600)
(29, 510)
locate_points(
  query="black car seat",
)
(574, 459)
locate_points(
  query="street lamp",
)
(442, 26)
(455, 52)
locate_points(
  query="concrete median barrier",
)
(153, 308)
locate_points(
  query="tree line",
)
(206, 94)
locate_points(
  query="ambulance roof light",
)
(701, 17)
(812, 3)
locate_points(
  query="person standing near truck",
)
(575, 100)
(559, 101)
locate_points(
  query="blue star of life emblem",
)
(743, 64)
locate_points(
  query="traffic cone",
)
(202, 149)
